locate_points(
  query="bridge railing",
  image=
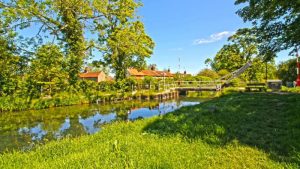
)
(196, 84)
(163, 86)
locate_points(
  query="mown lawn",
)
(255, 130)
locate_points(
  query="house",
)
(150, 73)
(95, 76)
(98, 76)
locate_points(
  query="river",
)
(24, 130)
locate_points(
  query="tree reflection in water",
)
(23, 130)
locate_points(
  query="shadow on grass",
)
(270, 122)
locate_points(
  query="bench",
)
(257, 86)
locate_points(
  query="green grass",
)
(257, 130)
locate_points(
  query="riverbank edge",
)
(11, 104)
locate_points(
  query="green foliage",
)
(10, 68)
(128, 46)
(106, 86)
(148, 80)
(15, 103)
(203, 78)
(257, 72)
(48, 69)
(121, 36)
(243, 47)
(11, 103)
(228, 58)
(208, 73)
(34, 69)
(291, 90)
(276, 23)
(237, 82)
(287, 71)
(223, 72)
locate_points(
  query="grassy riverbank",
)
(243, 130)
(12, 103)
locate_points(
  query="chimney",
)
(184, 72)
(87, 70)
(169, 70)
(152, 67)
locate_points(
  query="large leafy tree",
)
(276, 23)
(241, 49)
(122, 38)
(128, 47)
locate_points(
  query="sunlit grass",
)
(233, 131)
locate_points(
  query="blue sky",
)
(192, 30)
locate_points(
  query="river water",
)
(24, 130)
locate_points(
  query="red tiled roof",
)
(150, 73)
(153, 73)
(134, 72)
(89, 74)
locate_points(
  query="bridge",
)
(217, 85)
(183, 86)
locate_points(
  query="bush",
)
(11, 103)
(203, 78)
(237, 82)
(223, 72)
(290, 90)
(208, 73)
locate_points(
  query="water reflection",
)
(23, 130)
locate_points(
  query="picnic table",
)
(256, 86)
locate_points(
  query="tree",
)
(63, 20)
(48, 68)
(223, 72)
(229, 58)
(276, 23)
(287, 71)
(123, 39)
(128, 47)
(10, 68)
(208, 73)
(114, 21)
(97, 66)
(242, 48)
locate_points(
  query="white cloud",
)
(213, 38)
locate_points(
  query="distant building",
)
(95, 76)
(150, 73)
